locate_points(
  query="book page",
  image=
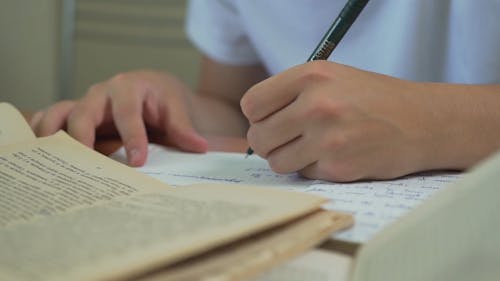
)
(13, 126)
(70, 213)
(374, 204)
(315, 265)
(257, 254)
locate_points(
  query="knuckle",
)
(52, 109)
(82, 112)
(316, 71)
(135, 81)
(318, 105)
(93, 92)
(122, 77)
(141, 85)
(77, 114)
(56, 110)
(334, 141)
(94, 89)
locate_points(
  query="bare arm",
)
(463, 124)
(216, 107)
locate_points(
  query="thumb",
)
(180, 130)
(186, 138)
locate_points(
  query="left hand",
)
(334, 122)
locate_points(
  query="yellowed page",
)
(13, 127)
(258, 253)
(315, 265)
(452, 236)
(69, 213)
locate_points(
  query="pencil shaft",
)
(338, 29)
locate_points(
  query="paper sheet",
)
(374, 204)
(315, 265)
(13, 126)
(67, 213)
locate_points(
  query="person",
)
(413, 86)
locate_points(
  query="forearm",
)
(215, 116)
(215, 109)
(465, 123)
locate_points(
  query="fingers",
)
(276, 130)
(127, 112)
(270, 95)
(47, 122)
(294, 155)
(188, 139)
(160, 107)
(276, 92)
(313, 171)
(87, 115)
(180, 129)
(322, 170)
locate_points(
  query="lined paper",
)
(374, 204)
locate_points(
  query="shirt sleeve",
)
(216, 29)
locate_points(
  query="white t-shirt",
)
(455, 41)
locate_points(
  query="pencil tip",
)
(249, 152)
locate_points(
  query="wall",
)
(107, 37)
(28, 52)
(119, 35)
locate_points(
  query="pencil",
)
(334, 34)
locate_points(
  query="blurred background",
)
(55, 49)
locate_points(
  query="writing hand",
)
(334, 122)
(129, 105)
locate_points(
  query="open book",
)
(70, 213)
(432, 226)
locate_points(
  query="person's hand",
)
(334, 122)
(130, 105)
